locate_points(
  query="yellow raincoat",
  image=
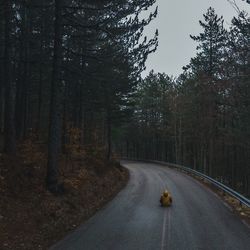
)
(166, 199)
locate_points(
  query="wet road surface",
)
(134, 220)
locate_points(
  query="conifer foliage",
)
(69, 64)
(200, 119)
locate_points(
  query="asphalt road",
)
(198, 219)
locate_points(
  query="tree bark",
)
(109, 142)
(54, 143)
(9, 126)
(2, 97)
(40, 92)
(22, 96)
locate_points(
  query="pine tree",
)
(211, 44)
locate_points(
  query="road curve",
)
(134, 220)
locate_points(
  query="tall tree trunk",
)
(108, 136)
(39, 94)
(2, 98)
(38, 125)
(2, 101)
(9, 126)
(22, 80)
(54, 143)
(211, 156)
(176, 141)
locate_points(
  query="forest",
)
(73, 102)
(67, 69)
(201, 118)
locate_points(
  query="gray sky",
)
(176, 20)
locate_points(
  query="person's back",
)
(166, 199)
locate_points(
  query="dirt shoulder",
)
(33, 218)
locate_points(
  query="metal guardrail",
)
(224, 188)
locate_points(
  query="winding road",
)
(134, 220)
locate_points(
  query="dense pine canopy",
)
(76, 66)
(69, 64)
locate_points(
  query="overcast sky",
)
(176, 20)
